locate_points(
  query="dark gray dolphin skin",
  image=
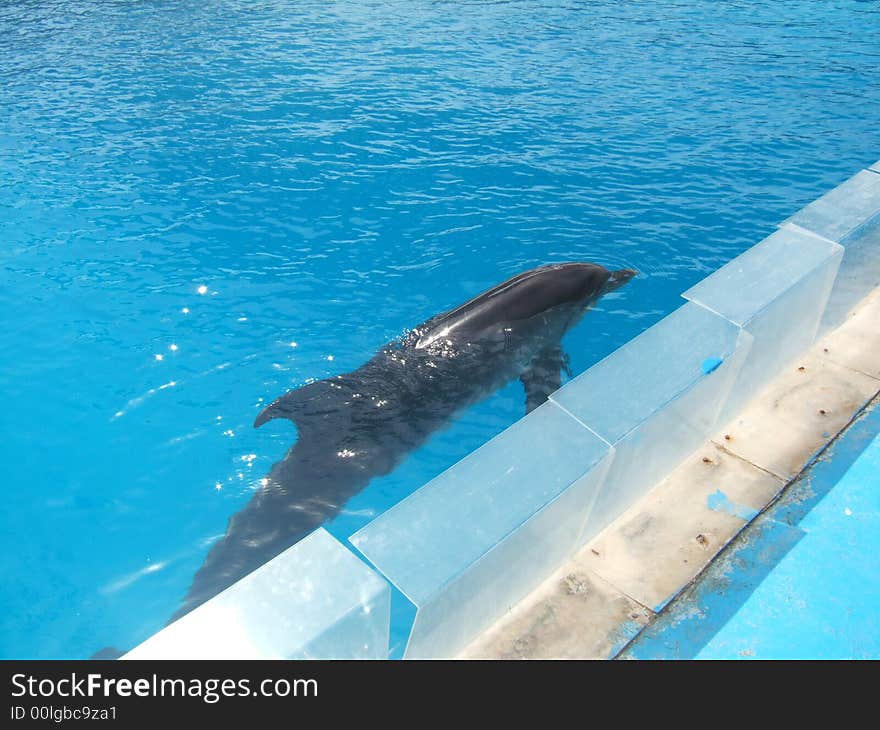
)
(357, 426)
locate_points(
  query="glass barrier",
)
(316, 600)
(473, 541)
(776, 291)
(850, 216)
(655, 400)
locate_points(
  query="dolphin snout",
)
(619, 278)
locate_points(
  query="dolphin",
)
(359, 425)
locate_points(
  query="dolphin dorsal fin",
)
(313, 400)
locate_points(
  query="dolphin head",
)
(562, 293)
(576, 282)
(567, 288)
(617, 279)
(572, 285)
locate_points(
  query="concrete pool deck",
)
(763, 543)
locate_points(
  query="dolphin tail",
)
(268, 525)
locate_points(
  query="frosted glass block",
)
(470, 543)
(849, 215)
(842, 211)
(316, 600)
(777, 291)
(655, 400)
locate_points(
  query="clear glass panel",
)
(473, 541)
(842, 211)
(655, 400)
(849, 215)
(777, 290)
(316, 600)
(754, 280)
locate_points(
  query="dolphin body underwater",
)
(357, 426)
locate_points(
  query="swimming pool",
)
(205, 207)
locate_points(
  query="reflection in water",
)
(135, 402)
(127, 580)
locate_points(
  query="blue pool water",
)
(186, 192)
